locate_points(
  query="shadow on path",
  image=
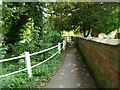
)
(72, 73)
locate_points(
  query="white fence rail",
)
(28, 61)
(12, 58)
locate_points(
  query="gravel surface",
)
(72, 73)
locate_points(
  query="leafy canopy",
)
(85, 17)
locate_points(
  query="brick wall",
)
(102, 60)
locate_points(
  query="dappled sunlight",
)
(74, 65)
(64, 40)
(74, 70)
(74, 50)
(61, 86)
(62, 73)
(72, 73)
(79, 58)
(66, 65)
(78, 84)
(69, 64)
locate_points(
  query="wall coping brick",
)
(104, 40)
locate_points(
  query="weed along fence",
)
(27, 55)
(102, 57)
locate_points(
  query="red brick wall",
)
(102, 59)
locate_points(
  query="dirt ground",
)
(72, 73)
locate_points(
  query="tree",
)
(18, 14)
(85, 17)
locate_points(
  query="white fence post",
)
(28, 64)
(59, 48)
(64, 44)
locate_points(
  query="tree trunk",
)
(13, 34)
(95, 32)
(86, 32)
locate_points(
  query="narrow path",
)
(72, 73)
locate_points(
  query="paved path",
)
(72, 73)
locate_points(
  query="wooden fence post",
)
(59, 48)
(28, 64)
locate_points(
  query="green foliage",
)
(2, 52)
(41, 74)
(18, 14)
(26, 29)
(117, 36)
(85, 16)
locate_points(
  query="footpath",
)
(73, 72)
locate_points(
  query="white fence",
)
(28, 61)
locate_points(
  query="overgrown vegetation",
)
(24, 30)
(89, 18)
(35, 26)
(41, 74)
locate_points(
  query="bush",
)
(2, 52)
(40, 73)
